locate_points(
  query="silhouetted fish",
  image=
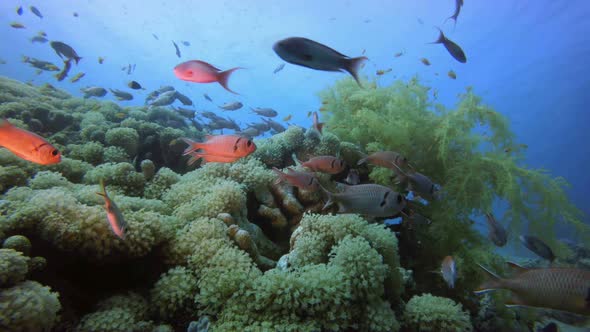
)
(458, 5)
(537, 246)
(177, 49)
(454, 49)
(36, 11)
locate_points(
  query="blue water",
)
(528, 59)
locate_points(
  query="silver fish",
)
(367, 199)
(186, 101)
(121, 95)
(308, 53)
(267, 112)
(233, 106)
(165, 99)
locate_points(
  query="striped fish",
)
(566, 289)
(367, 199)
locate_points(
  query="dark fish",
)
(275, 126)
(186, 43)
(537, 246)
(353, 177)
(279, 68)
(566, 289)
(425, 61)
(36, 11)
(134, 85)
(19, 10)
(420, 21)
(64, 72)
(311, 54)
(93, 91)
(155, 37)
(458, 5)
(454, 49)
(42, 33)
(40, 64)
(250, 132)
(165, 99)
(177, 49)
(121, 95)
(207, 97)
(75, 14)
(496, 232)
(100, 60)
(262, 127)
(189, 114)
(186, 101)
(65, 50)
(551, 327)
(38, 39)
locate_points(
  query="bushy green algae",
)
(462, 149)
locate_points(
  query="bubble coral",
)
(173, 294)
(13, 267)
(28, 306)
(433, 313)
(126, 138)
(18, 243)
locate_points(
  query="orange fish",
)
(566, 289)
(317, 125)
(325, 164)
(201, 72)
(27, 145)
(220, 148)
(301, 180)
(114, 215)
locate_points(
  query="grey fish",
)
(210, 115)
(454, 50)
(40, 64)
(134, 85)
(189, 114)
(177, 49)
(458, 5)
(268, 112)
(250, 132)
(279, 68)
(186, 43)
(155, 37)
(537, 246)
(207, 97)
(308, 53)
(186, 101)
(121, 95)
(154, 94)
(65, 70)
(65, 50)
(36, 11)
(262, 127)
(353, 177)
(420, 184)
(275, 126)
(233, 106)
(38, 39)
(367, 199)
(93, 91)
(496, 232)
(165, 99)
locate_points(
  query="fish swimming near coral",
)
(219, 148)
(201, 72)
(77, 77)
(134, 85)
(232, 106)
(496, 232)
(317, 125)
(566, 289)
(537, 246)
(366, 199)
(36, 11)
(265, 111)
(165, 99)
(353, 177)
(275, 126)
(301, 180)
(114, 215)
(185, 100)
(94, 91)
(381, 72)
(121, 95)
(388, 159)
(325, 164)
(308, 53)
(454, 50)
(449, 271)
(64, 50)
(65, 70)
(27, 145)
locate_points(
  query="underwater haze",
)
(255, 199)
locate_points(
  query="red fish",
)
(220, 148)
(301, 180)
(27, 145)
(201, 72)
(317, 125)
(325, 164)
(114, 215)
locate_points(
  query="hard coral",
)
(433, 313)
(28, 306)
(13, 267)
(173, 294)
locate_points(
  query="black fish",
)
(36, 11)
(19, 10)
(134, 85)
(454, 49)
(551, 327)
(177, 49)
(308, 53)
(537, 246)
(458, 5)
(75, 14)
(65, 50)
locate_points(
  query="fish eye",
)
(249, 143)
(55, 152)
(189, 72)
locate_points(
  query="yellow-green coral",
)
(18, 243)
(28, 306)
(432, 313)
(173, 294)
(13, 267)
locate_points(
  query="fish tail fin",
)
(494, 282)
(281, 175)
(223, 78)
(362, 161)
(352, 66)
(103, 190)
(77, 59)
(330, 200)
(192, 146)
(195, 156)
(441, 37)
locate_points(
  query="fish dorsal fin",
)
(516, 268)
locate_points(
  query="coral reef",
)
(433, 313)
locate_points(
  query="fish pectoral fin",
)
(516, 268)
